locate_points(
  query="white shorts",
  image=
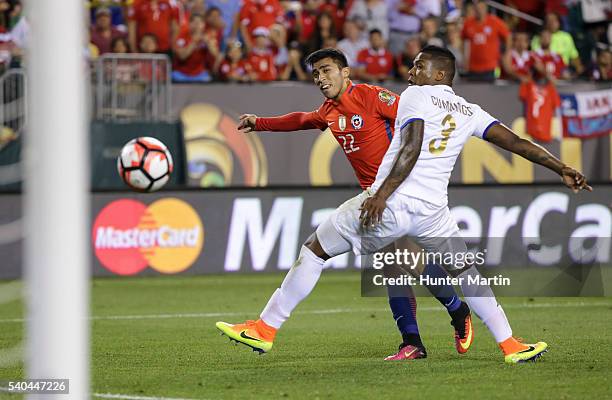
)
(430, 226)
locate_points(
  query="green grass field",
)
(155, 337)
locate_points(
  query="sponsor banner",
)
(587, 114)
(219, 156)
(225, 231)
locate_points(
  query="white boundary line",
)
(324, 311)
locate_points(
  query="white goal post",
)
(56, 200)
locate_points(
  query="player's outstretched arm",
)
(412, 138)
(294, 121)
(503, 137)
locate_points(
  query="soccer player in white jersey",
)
(409, 198)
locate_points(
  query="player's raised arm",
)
(503, 137)
(412, 138)
(294, 121)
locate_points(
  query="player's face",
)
(422, 72)
(329, 77)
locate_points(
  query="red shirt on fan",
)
(522, 63)
(197, 62)
(261, 13)
(262, 63)
(376, 62)
(229, 71)
(362, 122)
(540, 105)
(155, 18)
(553, 63)
(484, 38)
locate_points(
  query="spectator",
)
(429, 32)
(294, 70)
(405, 60)
(148, 44)
(548, 63)
(119, 45)
(352, 43)
(375, 62)
(195, 53)
(259, 14)
(602, 71)
(482, 34)
(561, 43)
(324, 30)
(373, 14)
(305, 19)
(230, 11)
(234, 68)
(215, 26)
(455, 44)
(159, 18)
(103, 32)
(518, 64)
(261, 57)
(540, 102)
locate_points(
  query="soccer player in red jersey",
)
(361, 118)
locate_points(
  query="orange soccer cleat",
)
(256, 334)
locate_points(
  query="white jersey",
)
(449, 122)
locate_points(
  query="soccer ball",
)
(145, 164)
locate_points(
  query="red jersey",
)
(256, 13)
(227, 70)
(540, 105)
(199, 60)
(155, 18)
(376, 62)
(552, 62)
(262, 63)
(484, 38)
(522, 62)
(362, 122)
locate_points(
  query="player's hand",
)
(574, 180)
(247, 123)
(372, 211)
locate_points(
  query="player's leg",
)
(443, 237)
(403, 307)
(327, 242)
(297, 285)
(458, 310)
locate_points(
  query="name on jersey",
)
(450, 107)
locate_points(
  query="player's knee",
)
(312, 243)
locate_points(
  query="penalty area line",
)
(131, 397)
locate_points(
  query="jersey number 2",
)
(348, 141)
(446, 132)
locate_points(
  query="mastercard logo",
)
(128, 236)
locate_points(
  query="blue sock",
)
(403, 307)
(445, 294)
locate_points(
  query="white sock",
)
(482, 302)
(296, 286)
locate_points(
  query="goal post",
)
(56, 196)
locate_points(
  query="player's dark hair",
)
(373, 31)
(336, 55)
(443, 59)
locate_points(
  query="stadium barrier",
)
(132, 87)
(237, 231)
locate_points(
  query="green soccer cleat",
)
(247, 334)
(532, 353)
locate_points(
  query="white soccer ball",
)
(145, 164)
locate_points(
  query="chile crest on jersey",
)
(357, 121)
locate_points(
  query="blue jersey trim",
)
(484, 134)
(409, 121)
(388, 128)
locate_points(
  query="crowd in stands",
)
(268, 40)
